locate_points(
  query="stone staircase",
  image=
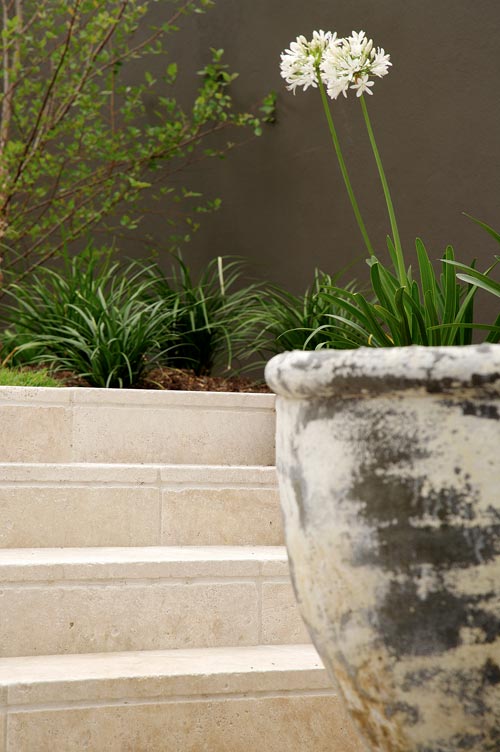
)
(145, 600)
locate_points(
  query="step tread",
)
(133, 398)
(165, 673)
(34, 473)
(32, 564)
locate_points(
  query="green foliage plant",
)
(472, 276)
(214, 318)
(90, 318)
(80, 143)
(404, 308)
(301, 322)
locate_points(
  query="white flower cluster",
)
(300, 63)
(342, 63)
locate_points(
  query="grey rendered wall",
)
(436, 117)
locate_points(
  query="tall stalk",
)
(342, 164)
(400, 264)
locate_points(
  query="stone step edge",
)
(56, 565)
(132, 398)
(128, 474)
(168, 675)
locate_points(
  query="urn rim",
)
(371, 371)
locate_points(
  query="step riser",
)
(93, 425)
(49, 506)
(287, 723)
(61, 618)
(105, 516)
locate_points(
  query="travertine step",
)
(168, 503)
(272, 698)
(133, 425)
(85, 600)
(85, 504)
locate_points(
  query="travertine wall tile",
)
(31, 395)
(35, 434)
(182, 435)
(44, 620)
(280, 724)
(3, 729)
(221, 516)
(281, 620)
(51, 516)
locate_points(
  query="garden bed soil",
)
(178, 380)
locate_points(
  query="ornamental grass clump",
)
(214, 319)
(90, 318)
(301, 322)
(406, 307)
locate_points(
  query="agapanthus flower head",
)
(300, 62)
(350, 64)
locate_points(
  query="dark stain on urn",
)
(491, 673)
(478, 742)
(415, 524)
(397, 508)
(420, 678)
(322, 409)
(462, 743)
(480, 410)
(416, 626)
(307, 413)
(478, 379)
(299, 493)
(420, 532)
(410, 713)
(473, 688)
(469, 686)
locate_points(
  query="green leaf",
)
(392, 251)
(481, 280)
(486, 227)
(450, 290)
(384, 285)
(373, 326)
(405, 336)
(431, 318)
(494, 335)
(414, 303)
(429, 285)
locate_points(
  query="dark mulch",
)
(179, 380)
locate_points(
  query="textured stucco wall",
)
(436, 118)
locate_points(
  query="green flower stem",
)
(343, 167)
(401, 270)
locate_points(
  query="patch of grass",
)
(21, 377)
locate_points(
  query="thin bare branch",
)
(100, 188)
(65, 107)
(133, 51)
(101, 174)
(7, 96)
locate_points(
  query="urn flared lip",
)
(342, 373)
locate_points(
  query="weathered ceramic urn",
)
(388, 463)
